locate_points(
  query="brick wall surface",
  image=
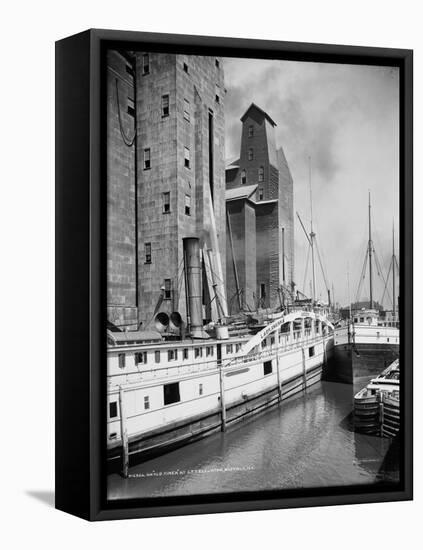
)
(167, 137)
(121, 253)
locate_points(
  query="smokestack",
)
(194, 287)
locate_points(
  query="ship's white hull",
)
(210, 397)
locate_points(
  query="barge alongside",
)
(364, 346)
(377, 406)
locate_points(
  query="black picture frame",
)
(81, 283)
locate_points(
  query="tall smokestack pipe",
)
(194, 286)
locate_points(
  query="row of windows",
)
(230, 348)
(166, 108)
(166, 210)
(260, 175)
(171, 392)
(147, 158)
(172, 354)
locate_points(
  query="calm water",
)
(306, 441)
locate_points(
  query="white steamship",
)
(180, 382)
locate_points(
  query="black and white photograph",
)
(253, 275)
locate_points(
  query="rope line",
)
(128, 142)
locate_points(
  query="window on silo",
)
(217, 96)
(262, 291)
(167, 289)
(166, 202)
(165, 105)
(187, 205)
(146, 402)
(243, 177)
(186, 157)
(186, 110)
(147, 248)
(171, 393)
(217, 63)
(145, 63)
(186, 68)
(250, 154)
(131, 107)
(261, 174)
(113, 411)
(250, 131)
(147, 159)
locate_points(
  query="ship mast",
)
(392, 266)
(393, 269)
(312, 235)
(311, 238)
(370, 249)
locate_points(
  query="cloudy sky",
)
(346, 118)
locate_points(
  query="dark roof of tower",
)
(260, 111)
(243, 192)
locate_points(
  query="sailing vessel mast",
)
(311, 238)
(393, 269)
(370, 256)
(312, 235)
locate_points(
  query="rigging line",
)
(181, 273)
(306, 267)
(325, 264)
(215, 275)
(232, 298)
(381, 273)
(321, 267)
(220, 294)
(386, 283)
(180, 283)
(362, 276)
(128, 141)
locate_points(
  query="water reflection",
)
(307, 441)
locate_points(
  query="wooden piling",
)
(324, 353)
(381, 413)
(277, 366)
(304, 369)
(123, 434)
(222, 399)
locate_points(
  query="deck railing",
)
(286, 343)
